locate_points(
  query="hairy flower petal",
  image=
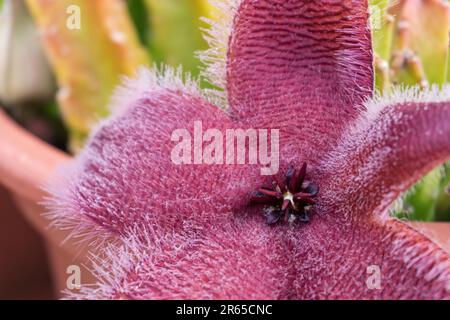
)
(126, 173)
(386, 152)
(233, 259)
(368, 259)
(186, 231)
(245, 259)
(302, 66)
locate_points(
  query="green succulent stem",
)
(411, 43)
(176, 33)
(91, 45)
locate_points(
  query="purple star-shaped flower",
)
(194, 231)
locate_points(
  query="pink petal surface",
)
(245, 259)
(336, 261)
(187, 232)
(302, 66)
(126, 173)
(189, 217)
(385, 153)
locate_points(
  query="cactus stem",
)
(414, 64)
(404, 32)
(383, 73)
(389, 18)
(407, 60)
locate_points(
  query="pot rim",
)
(26, 164)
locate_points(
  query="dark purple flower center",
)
(290, 199)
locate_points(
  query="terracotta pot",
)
(26, 163)
(24, 272)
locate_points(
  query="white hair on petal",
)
(111, 268)
(401, 94)
(64, 214)
(374, 107)
(214, 59)
(61, 207)
(398, 95)
(106, 271)
(148, 80)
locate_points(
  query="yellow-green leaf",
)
(91, 44)
(176, 31)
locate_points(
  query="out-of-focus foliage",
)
(176, 31)
(411, 42)
(112, 41)
(25, 75)
(442, 211)
(383, 29)
(91, 44)
(139, 15)
(421, 41)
